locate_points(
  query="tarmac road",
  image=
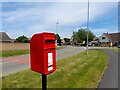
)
(110, 77)
(17, 63)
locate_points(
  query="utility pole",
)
(87, 27)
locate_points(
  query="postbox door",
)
(50, 60)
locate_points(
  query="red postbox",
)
(43, 53)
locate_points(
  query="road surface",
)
(17, 63)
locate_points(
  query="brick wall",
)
(14, 46)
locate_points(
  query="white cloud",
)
(40, 19)
(103, 30)
(64, 12)
(22, 15)
(38, 28)
(67, 13)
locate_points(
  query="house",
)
(107, 38)
(62, 41)
(4, 38)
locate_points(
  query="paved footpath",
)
(110, 77)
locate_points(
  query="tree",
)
(22, 39)
(91, 36)
(67, 39)
(74, 37)
(81, 35)
(58, 37)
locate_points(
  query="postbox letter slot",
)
(49, 41)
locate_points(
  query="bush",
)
(22, 39)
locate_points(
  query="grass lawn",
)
(78, 71)
(115, 49)
(0, 83)
(19, 52)
(59, 47)
(13, 53)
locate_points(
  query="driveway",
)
(17, 63)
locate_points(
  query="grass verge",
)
(19, 52)
(115, 49)
(78, 71)
(13, 53)
(59, 47)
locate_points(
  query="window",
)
(103, 37)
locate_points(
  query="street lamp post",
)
(57, 27)
(87, 27)
(56, 31)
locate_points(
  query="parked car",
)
(90, 44)
(118, 45)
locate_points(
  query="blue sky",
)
(28, 18)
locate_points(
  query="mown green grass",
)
(0, 83)
(115, 49)
(19, 52)
(13, 53)
(59, 47)
(78, 71)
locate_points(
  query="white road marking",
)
(9, 62)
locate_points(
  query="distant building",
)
(4, 38)
(94, 42)
(106, 38)
(62, 41)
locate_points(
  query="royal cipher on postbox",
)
(43, 53)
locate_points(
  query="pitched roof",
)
(4, 37)
(114, 37)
